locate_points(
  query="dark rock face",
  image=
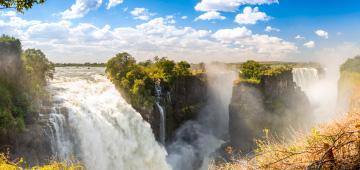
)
(33, 144)
(180, 103)
(275, 104)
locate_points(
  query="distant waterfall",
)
(105, 131)
(305, 77)
(161, 110)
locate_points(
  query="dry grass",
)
(333, 145)
(53, 165)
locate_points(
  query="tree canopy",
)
(351, 65)
(138, 79)
(22, 80)
(20, 5)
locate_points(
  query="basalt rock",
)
(276, 103)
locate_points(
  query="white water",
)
(161, 110)
(197, 141)
(320, 89)
(305, 77)
(108, 134)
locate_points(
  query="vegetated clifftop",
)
(268, 100)
(23, 77)
(349, 86)
(181, 95)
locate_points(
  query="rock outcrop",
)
(180, 103)
(274, 103)
(33, 143)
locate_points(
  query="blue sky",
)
(191, 30)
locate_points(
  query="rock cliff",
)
(272, 104)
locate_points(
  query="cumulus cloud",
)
(228, 5)
(322, 33)
(113, 3)
(210, 15)
(251, 16)
(268, 29)
(184, 17)
(65, 41)
(299, 37)
(310, 44)
(230, 35)
(273, 46)
(8, 14)
(81, 8)
(141, 13)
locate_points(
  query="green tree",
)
(19, 5)
(118, 66)
(167, 66)
(252, 70)
(183, 68)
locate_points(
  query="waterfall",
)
(305, 77)
(106, 132)
(161, 110)
(197, 141)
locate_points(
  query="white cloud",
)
(230, 35)
(339, 33)
(322, 33)
(310, 44)
(263, 44)
(65, 41)
(113, 3)
(8, 14)
(81, 8)
(251, 16)
(210, 15)
(141, 13)
(137, 11)
(169, 16)
(299, 37)
(268, 29)
(228, 5)
(125, 9)
(171, 21)
(184, 17)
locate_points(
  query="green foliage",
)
(22, 81)
(351, 65)
(20, 5)
(252, 71)
(138, 80)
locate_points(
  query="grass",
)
(53, 165)
(332, 145)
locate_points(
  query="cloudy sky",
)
(191, 30)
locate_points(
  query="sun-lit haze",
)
(202, 30)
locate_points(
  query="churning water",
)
(99, 127)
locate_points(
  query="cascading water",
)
(305, 77)
(161, 110)
(321, 89)
(106, 132)
(197, 140)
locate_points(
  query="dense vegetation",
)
(23, 76)
(138, 79)
(252, 71)
(351, 65)
(348, 85)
